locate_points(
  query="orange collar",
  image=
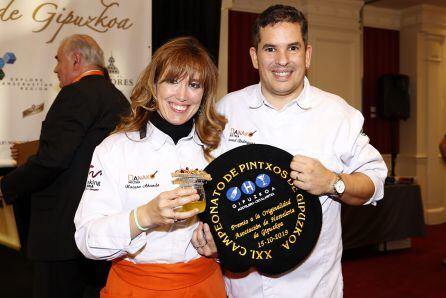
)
(93, 72)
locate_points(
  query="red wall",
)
(381, 56)
(240, 70)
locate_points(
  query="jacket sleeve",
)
(360, 156)
(62, 132)
(102, 222)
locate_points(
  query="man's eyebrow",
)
(268, 45)
(297, 43)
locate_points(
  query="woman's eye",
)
(172, 81)
(195, 85)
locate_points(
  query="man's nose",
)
(282, 57)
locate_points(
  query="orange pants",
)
(198, 278)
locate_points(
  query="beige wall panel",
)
(335, 65)
(423, 48)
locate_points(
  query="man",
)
(84, 112)
(332, 158)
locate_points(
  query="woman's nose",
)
(181, 92)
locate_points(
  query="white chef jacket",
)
(316, 124)
(127, 172)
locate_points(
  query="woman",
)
(129, 210)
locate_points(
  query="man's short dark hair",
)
(276, 14)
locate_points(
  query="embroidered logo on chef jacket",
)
(241, 136)
(136, 181)
(93, 180)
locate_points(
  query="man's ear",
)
(76, 60)
(308, 56)
(253, 54)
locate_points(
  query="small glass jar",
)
(196, 183)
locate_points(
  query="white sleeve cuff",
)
(109, 237)
(379, 188)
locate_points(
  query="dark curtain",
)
(198, 18)
(381, 56)
(241, 73)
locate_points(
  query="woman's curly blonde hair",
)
(179, 58)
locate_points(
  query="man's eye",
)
(294, 48)
(270, 49)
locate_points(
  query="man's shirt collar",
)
(304, 100)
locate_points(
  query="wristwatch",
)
(339, 186)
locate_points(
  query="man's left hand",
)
(310, 175)
(203, 241)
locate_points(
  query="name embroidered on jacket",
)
(241, 136)
(138, 181)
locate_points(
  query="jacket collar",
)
(304, 100)
(157, 138)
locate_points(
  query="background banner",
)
(30, 33)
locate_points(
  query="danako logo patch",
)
(258, 218)
(241, 136)
(137, 181)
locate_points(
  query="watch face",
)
(340, 187)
